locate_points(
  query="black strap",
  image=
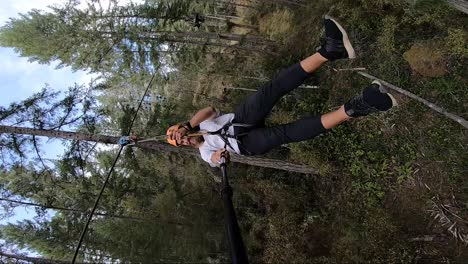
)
(224, 135)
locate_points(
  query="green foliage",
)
(370, 197)
(386, 40)
(95, 39)
(364, 240)
(456, 42)
(277, 25)
(375, 157)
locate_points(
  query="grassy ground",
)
(392, 186)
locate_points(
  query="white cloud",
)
(12, 64)
(11, 8)
(23, 77)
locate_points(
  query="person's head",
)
(190, 141)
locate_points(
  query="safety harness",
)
(224, 134)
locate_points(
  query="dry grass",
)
(277, 25)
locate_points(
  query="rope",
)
(108, 175)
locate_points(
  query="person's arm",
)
(207, 154)
(202, 115)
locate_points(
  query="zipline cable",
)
(109, 174)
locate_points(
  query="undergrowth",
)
(376, 174)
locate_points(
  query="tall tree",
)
(58, 208)
(8, 258)
(154, 145)
(46, 110)
(117, 38)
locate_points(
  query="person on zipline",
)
(250, 136)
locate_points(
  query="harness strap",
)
(224, 135)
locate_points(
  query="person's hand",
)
(216, 157)
(179, 134)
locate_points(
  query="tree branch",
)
(434, 107)
(158, 146)
(38, 152)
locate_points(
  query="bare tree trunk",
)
(210, 35)
(36, 260)
(461, 5)
(154, 145)
(58, 208)
(232, 24)
(215, 44)
(249, 43)
(284, 2)
(233, 3)
(194, 34)
(254, 90)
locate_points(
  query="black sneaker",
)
(374, 98)
(336, 44)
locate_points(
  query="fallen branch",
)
(460, 5)
(350, 69)
(422, 239)
(434, 107)
(254, 90)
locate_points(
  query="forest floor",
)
(392, 187)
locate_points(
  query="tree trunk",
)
(249, 42)
(58, 208)
(284, 2)
(193, 34)
(222, 45)
(154, 145)
(205, 35)
(232, 3)
(6, 256)
(461, 5)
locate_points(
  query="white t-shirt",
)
(214, 142)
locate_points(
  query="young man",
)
(257, 139)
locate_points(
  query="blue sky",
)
(19, 78)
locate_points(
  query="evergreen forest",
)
(388, 188)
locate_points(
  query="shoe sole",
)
(349, 48)
(384, 90)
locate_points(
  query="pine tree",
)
(154, 145)
(116, 39)
(46, 110)
(8, 258)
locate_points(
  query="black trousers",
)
(257, 106)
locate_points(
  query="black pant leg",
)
(258, 105)
(261, 140)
